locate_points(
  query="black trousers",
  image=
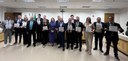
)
(39, 36)
(45, 37)
(78, 41)
(30, 33)
(18, 32)
(98, 38)
(70, 39)
(115, 42)
(25, 36)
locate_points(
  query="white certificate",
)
(98, 27)
(70, 28)
(52, 30)
(16, 25)
(113, 28)
(61, 29)
(24, 24)
(45, 28)
(78, 29)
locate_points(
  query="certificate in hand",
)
(113, 28)
(78, 29)
(24, 24)
(45, 28)
(16, 25)
(98, 27)
(61, 29)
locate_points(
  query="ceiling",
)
(65, 4)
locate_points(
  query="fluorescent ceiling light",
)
(29, 0)
(62, 1)
(97, 0)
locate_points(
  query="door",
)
(107, 15)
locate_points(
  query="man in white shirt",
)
(99, 32)
(8, 26)
(18, 29)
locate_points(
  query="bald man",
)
(99, 32)
(31, 25)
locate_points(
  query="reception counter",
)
(1, 37)
(123, 44)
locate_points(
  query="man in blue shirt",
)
(31, 28)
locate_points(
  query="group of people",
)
(56, 31)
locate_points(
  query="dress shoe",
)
(117, 57)
(106, 53)
(28, 46)
(95, 49)
(101, 51)
(75, 47)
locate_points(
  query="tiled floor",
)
(38, 53)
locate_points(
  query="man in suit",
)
(111, 35)
(57, 23)
(31, 25)
(61, 33)
(8, 27)
(78, 32)
(70, 33)
(99, 32)
(45, 31)
(18, 29)
(39, 28)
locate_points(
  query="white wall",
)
(2, 11)
(81, 13)
(124, 18)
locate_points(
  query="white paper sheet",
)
(45, 28)
(16, 25)
(61, 29)
(113, 28)
(78, 29)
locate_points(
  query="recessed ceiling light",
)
(97, 0)
(62, 1)
(29, 0)
(86, 6)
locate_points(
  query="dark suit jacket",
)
(20, 22)
(44, 24)
(58, 25)
(112, 35)
(39, 26)
(66, 26)
(34, 26)
(80, 25)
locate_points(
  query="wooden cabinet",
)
(123, 44)
(1, 37)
